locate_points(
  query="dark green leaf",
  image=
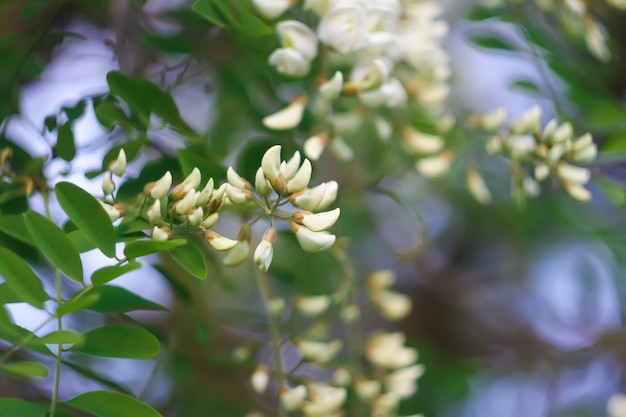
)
(119, 300)
(21, 279)
(63, 337)
(76, 304)
(615, 191)
(129, 90)
(20, 336)
(253, 26)
(76, 111)
(146, 247)
(15, 226)
(55, 245)
(493, 42)
(527, 86)
(614, 144)
(7, 295)
(109, 273)
(208, 10)
(11, 407)
(85, 211)
(116, 341)
(190, 158)
(111, 404)
(111, 114)
(50, 122)
(25, 369)
(81, 242)
(65, 147)
(191, 259)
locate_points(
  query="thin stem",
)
(274, 333)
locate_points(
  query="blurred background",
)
(517, 310)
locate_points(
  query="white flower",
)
(118, 167)
(367, 388)
(321, 6)
(270, 163)
(195, 216)
(403, 381)
(114, 212)
(311, 241)
(159, 189)
(392, 305)
(312, 306)
(477, 187)
(298, 36)
(577, 191)
(187, 203)
(318, 221)
(190, 183)
(301, 178)
(331, 89)
(314, 146)
(204, 196)
(369, 76)
(288, 117)
(529, 122)
(421, 143)
(237, 254)
(235, 180)
(219, 242)
(323, 400)
(435, 166)
(290, 62)
(289, 169)
(238, 195)
(387, 350)
(343, 29)
(262, 186)
(291, 399)
(330, 195)
(319, 352)
(573, 173)
(341, 150)
(380, 280)
(210, 221)
(271, 9)
(260, 379)
(616, 406)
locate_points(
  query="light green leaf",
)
(116, 341)
(7, 295)
(111, 404)
(55, 245)
(146, 247)
(15, 407)
(119, 300)
(85, 211)
(63, 337)
(191, 259)
(15, 226)
(493, 42)
(77, 304)
(25, 369)
(81, 242)
(65, 147)
(21, 279)
(109, 273)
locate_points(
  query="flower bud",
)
(235, 180)
(118, 167)
(563, 133)
(238, 195)
(421, 143)
(298, 36)
(367, 389)
(330, 195)
(311, 241)
(263, 254)
(577, 191)
(108, 186)
(210, 220)
(342, 377)
(301, 178)
(477, 187)
(195, 216)
(435, 166)
(159, 189)
(204, 196)
(380, 280)
(260, 379)
(324, 400)
(392, 305)
(291, 399)
(154, 212)
(573, 173)
(115, 212)
(190, 183)
(350, 313)
(318, 352)
(288, 169)
(317, 222)
(219, 242)
(529, 121)
(261, 184)
(288, 117)
(387, 350)
(290, 62)
(331, 89)
(270, 163)
(188, 202)
(161, 234)
(276, 306)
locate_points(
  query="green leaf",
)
(614, 144)
(25, 369)
(120, 300)
(208, 10)
(77, 304)
(253, 26)
(190, 158)
(191, 259)
(65, 147)
(63, 337)
(15, 226)
(76, 111)
(111, 404)
(7, 295)
(17, 335)
(85, 211)
(55, 245)
(493, 42)
(14, 407)
(116, 341)
(109, 114)
(129, 90)
(615, 191)
(50, 122)
(91, 374)
(146, 247)
(21, 279)
(526, 86)
(81, 242)
(109, 273)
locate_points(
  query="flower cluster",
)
(383, 53)
(550, 152)
(276, 183)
